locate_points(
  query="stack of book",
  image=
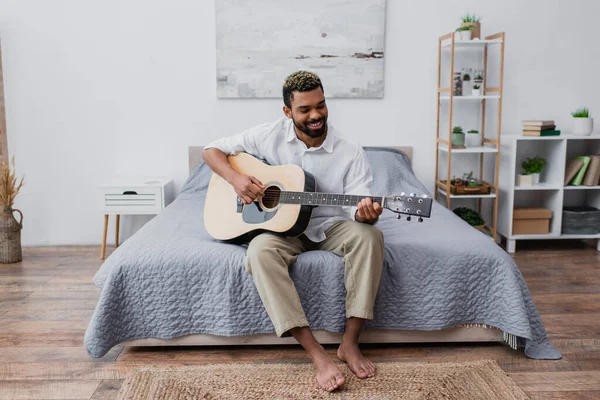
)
(583, 170)
(540, 128)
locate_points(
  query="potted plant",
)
(472, 138)
(470, 216)
(478, 80)
(476, 90)
(582, 123)
(466, 78)
(532, 167)
(10, 229)
(464, 32)
(473, 21)
(458, 136)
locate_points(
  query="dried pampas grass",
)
(8, 184)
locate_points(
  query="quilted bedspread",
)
(172, 279)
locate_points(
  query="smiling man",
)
(306, 138)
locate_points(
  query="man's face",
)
(309, 112)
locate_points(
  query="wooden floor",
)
(47, 300)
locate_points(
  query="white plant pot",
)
(582, 126)
(472, 140)
(476, 92)
(525, 180)
(535, 179)
(464, 35)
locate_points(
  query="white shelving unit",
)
(465, 109)
(550, 192)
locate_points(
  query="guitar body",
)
(227, 219)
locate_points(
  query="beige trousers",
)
(269, 256)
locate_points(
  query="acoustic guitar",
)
(287, 204)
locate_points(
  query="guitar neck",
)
(324, 199)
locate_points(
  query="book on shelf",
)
(540, 128)
(592, 175)
(576, 181)
(552, 132)
(534, 128)
(573, 166)
(537, 122)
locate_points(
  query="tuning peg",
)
(408, 218)
(424, 196)
(399, 216)
(402, 194)
(420, 219)
(412, 194)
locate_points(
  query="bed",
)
(172, 284)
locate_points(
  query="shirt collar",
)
(327, 144)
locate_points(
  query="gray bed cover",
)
(172, 279)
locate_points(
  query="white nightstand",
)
(133, 196)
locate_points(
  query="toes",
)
(333, 384)
(362, 373)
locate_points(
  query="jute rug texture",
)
(394, 380)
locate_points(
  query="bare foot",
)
(359, 364)
(329, 376)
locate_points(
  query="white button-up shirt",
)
(338, 165)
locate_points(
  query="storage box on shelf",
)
(554, 192)
(531, 221)
(473, 101)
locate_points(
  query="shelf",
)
(487, 96)
(582, 187)
(489, 144)
(540, 186)
(468, 196)
(536, 236)
(469, 43)
(562, 136)
(554, 236)
(479, 149)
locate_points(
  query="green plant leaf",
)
(533, 165)
(582, 112)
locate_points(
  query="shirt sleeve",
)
(247, 141)
(358, 181)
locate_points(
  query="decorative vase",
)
(475, 31)
(472, 140)
(10, 236)
(582, 126)
(458, 139)
(465, 35)
(525, 180)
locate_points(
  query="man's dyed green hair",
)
(301, 81)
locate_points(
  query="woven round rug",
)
(394, 380)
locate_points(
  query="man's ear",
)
(287, 111)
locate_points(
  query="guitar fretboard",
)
(324, 199)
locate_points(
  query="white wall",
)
(97, 88)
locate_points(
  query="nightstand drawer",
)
(133, 199)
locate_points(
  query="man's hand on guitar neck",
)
(248, 188)
(368, 212)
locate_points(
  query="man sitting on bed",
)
(305, 138)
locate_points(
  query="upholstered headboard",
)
(195, 154)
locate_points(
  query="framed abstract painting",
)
(260, 42)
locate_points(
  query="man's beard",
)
(311, 132)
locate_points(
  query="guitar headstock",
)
(409, 205)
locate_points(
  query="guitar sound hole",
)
(271, 197)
